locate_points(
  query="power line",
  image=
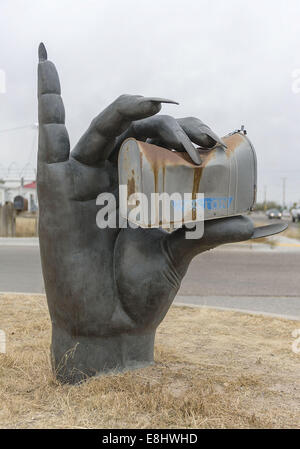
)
(17, 128)
(14, 170)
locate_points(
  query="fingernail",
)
(42, 52)
(161, 100)
(195, 156)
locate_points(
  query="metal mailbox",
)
(20, 203)
(227, 177)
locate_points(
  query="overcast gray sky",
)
(226, 62)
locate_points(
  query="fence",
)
(7, 220)
(13, 224)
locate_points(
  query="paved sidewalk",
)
(284, 307)
(19, 241)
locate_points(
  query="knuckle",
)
(121, 99)
(167, 119)
(192, 119)
(128, 97)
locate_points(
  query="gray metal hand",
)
(107, 289)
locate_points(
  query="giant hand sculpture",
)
(108, 289)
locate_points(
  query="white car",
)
(296, 213)
(286, 213)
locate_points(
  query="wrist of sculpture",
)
(74, 359)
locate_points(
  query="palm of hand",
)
(113, 278)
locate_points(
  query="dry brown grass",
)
(26, 226)
(292, 232)
(214, 369)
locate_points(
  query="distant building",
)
(10, 188)
(30, 192)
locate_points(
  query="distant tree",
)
(295, 205)
(266, 206)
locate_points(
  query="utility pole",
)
(265, 198)
(283, 192)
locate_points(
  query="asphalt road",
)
(259, 281)
(20, 269)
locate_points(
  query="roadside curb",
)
(19, 241)
(197, 306)
(245, 311)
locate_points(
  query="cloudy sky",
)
(227, 62)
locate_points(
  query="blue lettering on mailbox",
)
(213, 203)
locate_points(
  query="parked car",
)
(296, 213)
(274, 213)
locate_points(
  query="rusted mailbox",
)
(226, 177)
